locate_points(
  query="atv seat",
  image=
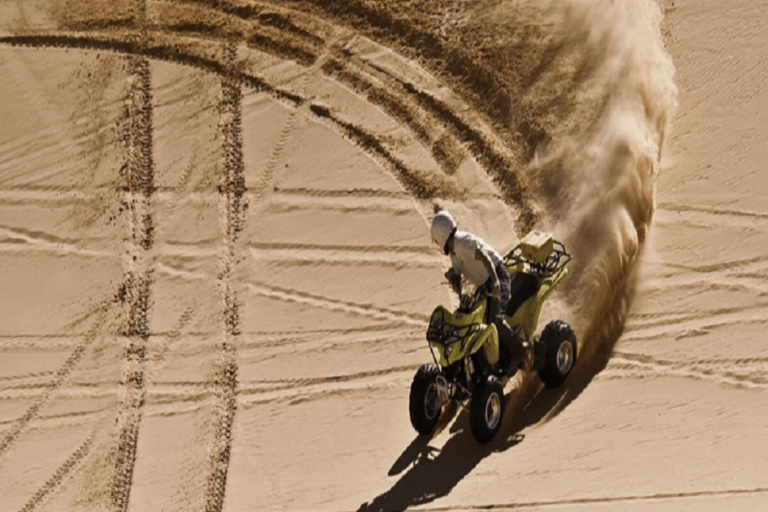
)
(523, 286)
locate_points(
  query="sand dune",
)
(217, 272)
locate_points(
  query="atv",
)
(472, 366)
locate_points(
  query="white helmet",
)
(443, 228)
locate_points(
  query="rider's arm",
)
(483, 257)
(454, 275)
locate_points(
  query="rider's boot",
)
(514, 349)
(521, 353)
(520, 356)
(527, 356)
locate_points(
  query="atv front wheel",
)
(560, 347)
(425, 405)
(486, 409)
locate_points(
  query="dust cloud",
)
(598, 180)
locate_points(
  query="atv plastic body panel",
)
(459, 334)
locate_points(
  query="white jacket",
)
(463, 260)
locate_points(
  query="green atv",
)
(471, 363)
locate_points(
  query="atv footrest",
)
(539, 355)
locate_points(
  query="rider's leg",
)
(497, 306)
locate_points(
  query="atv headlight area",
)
(449, 345)
(446, 349)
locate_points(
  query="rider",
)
(474, 259)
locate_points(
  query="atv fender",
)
(527, 315)
(488, 340)
(484, 337)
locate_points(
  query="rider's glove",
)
(492, 288)
(454, 279)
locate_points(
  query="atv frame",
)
(470, 366)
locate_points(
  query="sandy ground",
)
(216, 269)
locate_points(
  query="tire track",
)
(303, 342)
(366, 310)
(476, 78)
(489, 154)
(745, 373)
(171, 398)
(296, 391)
(354, 201)
(74, 390)
(677, 331)
(266, 179)
(289, 255)
(715, 316)
(601, 500)
(266, 29)
(441, 144)
(27, 376)
(398, 106)
(52, 387)
(362, 193)
(183, 188)
(19, 240)
(710, 210)
(721, 267)
(61, 474)
(418, 183)
(224, 380)
(411, 250)
(159, 47)
(82, 418)
(137, 175)
(503, 169)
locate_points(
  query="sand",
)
(217, 273)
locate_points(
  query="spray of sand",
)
(597, 181)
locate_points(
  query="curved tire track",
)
(399, 105)
(498, 166)
(157, 48)
(444, 147)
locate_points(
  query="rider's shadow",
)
(435, 472)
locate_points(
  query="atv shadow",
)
(434, 472)
(548, 403)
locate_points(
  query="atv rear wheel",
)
(560, 346)
(425, 403)
(486, 409)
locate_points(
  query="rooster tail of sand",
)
(609, 164)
